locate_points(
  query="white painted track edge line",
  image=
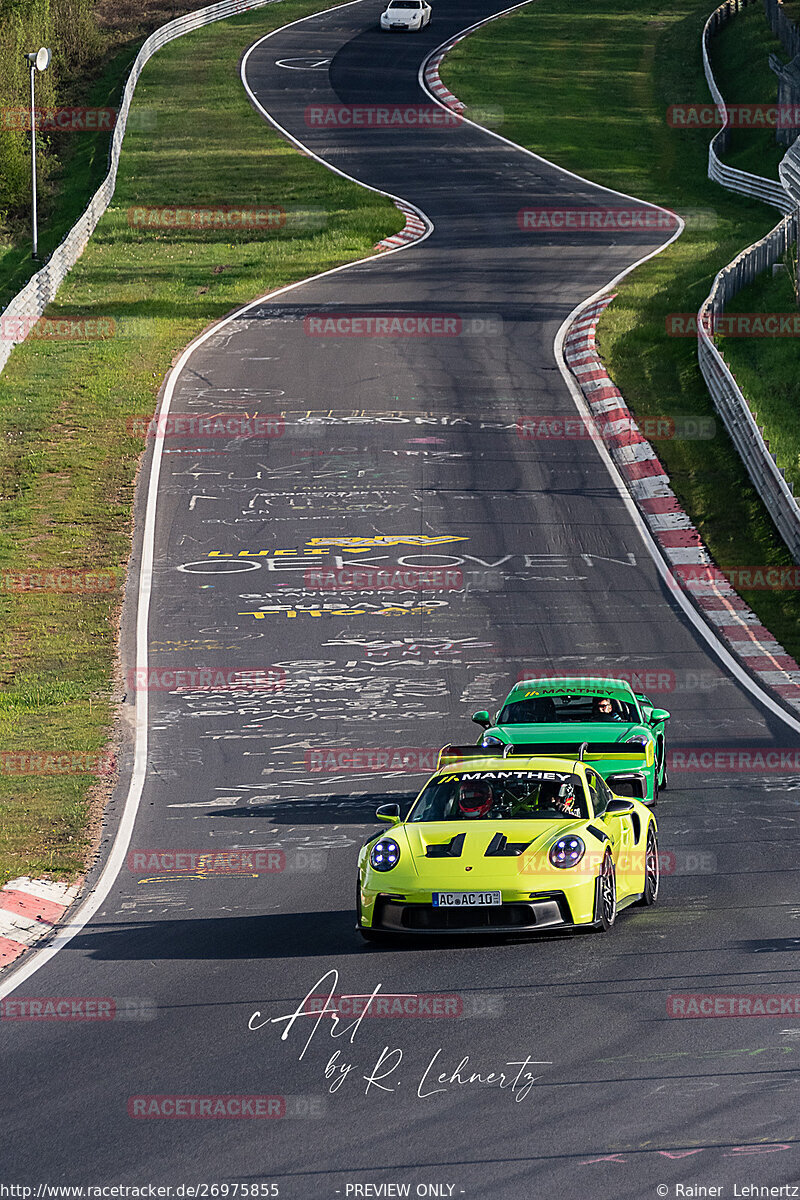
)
(443, 48)
(704, 628)
(86, 907)
(400, 201)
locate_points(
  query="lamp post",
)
(39, 60)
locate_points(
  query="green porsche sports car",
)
(618, 730)
(507, 844)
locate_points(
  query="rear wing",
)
(593, 752)
(453, 754)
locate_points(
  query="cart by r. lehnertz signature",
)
(385, 1073)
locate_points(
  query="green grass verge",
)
(67, 461)
(560, 103)
(82, 167)
(740, 61)
(767, 371)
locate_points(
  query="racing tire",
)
(652, 871)
(606, 902)
(663, 766)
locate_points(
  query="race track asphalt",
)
(412, 437)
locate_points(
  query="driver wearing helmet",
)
(603, 710)
(475, 798)
(566, 801)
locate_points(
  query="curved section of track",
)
(401, 452)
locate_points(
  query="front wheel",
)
(652, 871)
(662, 756)
(606, 902)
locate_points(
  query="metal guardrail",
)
(783, 28)
(29, 304)
(728, 399)
(789, 172)
(743, 182)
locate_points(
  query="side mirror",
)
(658, 714)
(390, 813)
(483, 719)
(617, 807)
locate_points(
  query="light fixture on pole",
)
(39, 60)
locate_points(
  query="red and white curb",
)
(29, 909)
(677, 538)
(433, 80)
(413, 230)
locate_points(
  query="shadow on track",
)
(343, 809)
(273, 935)
(269, 936)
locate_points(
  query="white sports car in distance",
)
(406, 14)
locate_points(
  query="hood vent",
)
(500, 847)
(451, 849)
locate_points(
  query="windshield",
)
(549, 709)
(405, 4)
(502, 795)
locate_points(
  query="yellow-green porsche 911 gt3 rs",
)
(507, 845)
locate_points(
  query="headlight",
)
(385, 854)
(639, 739)
(491, 741)
(567, 851)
